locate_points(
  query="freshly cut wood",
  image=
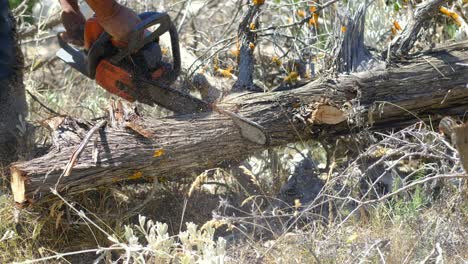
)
(431, 85)
(327, 114)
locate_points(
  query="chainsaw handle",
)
(149, 19)
(136, 42)
(177, 64)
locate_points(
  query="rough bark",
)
(429, 86)
(353, 55)
(13, 106)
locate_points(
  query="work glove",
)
(118, 21)
(73, 21)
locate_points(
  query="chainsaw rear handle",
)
(136, 42)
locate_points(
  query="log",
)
(428, 86)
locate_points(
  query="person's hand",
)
(119, 23)
(73, 22)
(117, 20)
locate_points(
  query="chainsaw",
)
(136, 72)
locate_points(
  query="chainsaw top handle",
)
(136, 42)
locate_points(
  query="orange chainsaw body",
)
(134, 70)
(111, 77)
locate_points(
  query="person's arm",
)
(104, 9)
(117, 20)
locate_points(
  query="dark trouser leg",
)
(13, 107)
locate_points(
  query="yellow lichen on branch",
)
(395, 27)
(158, 153)
(135, 176)
(258, 2)
(313, 21)
(301, 13)
(292, 77)
(275, 59)
(451, 14)
(227, 73)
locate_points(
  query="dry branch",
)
(404, 42)
(184, 145)
(247, 40)
(353, 55)
(51, 22)
(76, 154)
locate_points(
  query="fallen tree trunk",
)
(429, 86)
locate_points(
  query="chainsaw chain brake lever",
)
(136, 41)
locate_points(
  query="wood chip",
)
(138, 129)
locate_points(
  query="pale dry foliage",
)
(402, 200)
